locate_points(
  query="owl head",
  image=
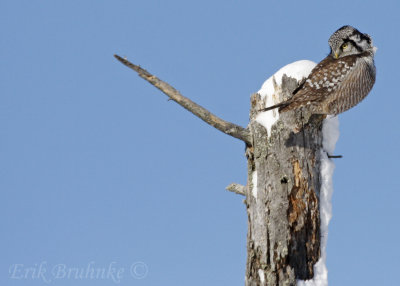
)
(349, 41)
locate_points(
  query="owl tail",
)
(282, 106)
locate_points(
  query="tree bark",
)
(283, 186)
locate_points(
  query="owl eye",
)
(345, 46)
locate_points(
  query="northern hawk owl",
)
(341, 80)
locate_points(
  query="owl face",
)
(349, 41)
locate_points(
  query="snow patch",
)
(262, 277)
(267, 119)
(270, 91)
(330, 134)
(254, 179)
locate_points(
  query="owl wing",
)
(322, 83)
(354, 87)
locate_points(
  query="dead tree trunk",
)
(283, 186)
(283, 241)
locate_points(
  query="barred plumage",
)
(341, 80)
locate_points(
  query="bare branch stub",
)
(211, 119)
(237, 188)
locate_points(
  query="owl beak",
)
(336, 55)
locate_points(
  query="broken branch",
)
(218, 123)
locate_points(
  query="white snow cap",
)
(298, 70)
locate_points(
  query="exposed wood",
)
(220, 124)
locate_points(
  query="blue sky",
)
(99, 170)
